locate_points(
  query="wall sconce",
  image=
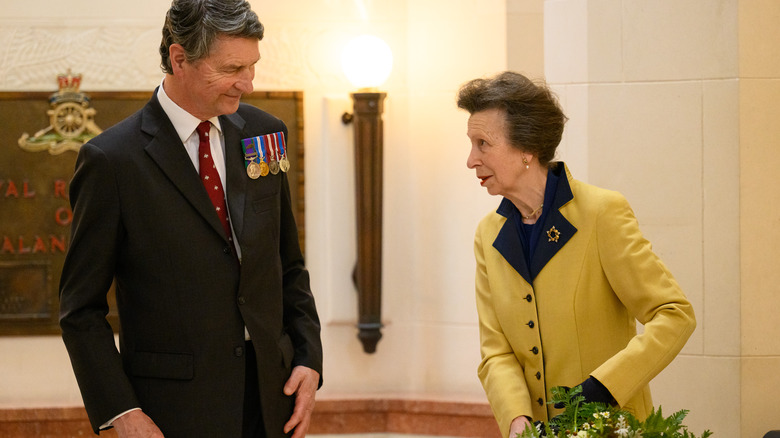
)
(367, 61)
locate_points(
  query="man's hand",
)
(136, 424)
(303, 383)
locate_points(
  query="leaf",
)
(602, 420)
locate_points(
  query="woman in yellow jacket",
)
(563, 272)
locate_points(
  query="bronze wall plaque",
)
(35, 212)
(34, 280)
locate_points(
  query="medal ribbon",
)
(260, 147)
(250, 154)
(273, 149)
(270, 147)
(283, 153)
(267, 152)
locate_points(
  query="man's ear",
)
(177, 56)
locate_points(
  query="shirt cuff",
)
(110, 422)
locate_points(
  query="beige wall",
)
(675, 104)
(525, 37)
(759, 206)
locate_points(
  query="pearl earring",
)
(525, 161)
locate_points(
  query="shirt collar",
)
(183, 122)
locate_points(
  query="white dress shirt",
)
(185, 124)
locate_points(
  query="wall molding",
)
(124, 55)
(331, 416)
(407, 416)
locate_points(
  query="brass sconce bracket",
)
(367, 119)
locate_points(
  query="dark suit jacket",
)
(142, 217)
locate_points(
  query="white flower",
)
(623, 428)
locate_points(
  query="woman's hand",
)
(518, 426)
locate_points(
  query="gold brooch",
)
(553, 234)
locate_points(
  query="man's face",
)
(214, 84)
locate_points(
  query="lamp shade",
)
(367, 61)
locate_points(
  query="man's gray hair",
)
(195, 24)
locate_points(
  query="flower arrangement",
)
(597, 420)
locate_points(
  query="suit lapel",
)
(235, 190)
(508, 241)
(508, 244)
(556, 231)
(166, 150)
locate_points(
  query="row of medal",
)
(264, 154)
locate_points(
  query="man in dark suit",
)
(219, 332)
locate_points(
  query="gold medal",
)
(274, 167)
(284, 165)
(253, 170)
(263, 168)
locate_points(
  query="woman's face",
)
(499, 165)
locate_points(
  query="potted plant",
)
(597, 420)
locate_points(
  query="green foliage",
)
(596, 420)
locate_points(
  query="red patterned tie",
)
(210, 177)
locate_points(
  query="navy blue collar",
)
(556, 229)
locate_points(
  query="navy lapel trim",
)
(557, 230)
(235, 178)
(175, 162)
(508, 241)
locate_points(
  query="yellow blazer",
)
(594, 275)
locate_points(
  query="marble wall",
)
(672, 104)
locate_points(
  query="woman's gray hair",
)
(195, 24)
(534, 118)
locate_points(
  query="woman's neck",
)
(529, 196)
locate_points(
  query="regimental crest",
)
(71, 120)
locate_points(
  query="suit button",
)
(528, 298)
(530, 324)
(226, 250)
(241, 300)
(538, 375)
(535, 350)
(540, 401)
(239, 351)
